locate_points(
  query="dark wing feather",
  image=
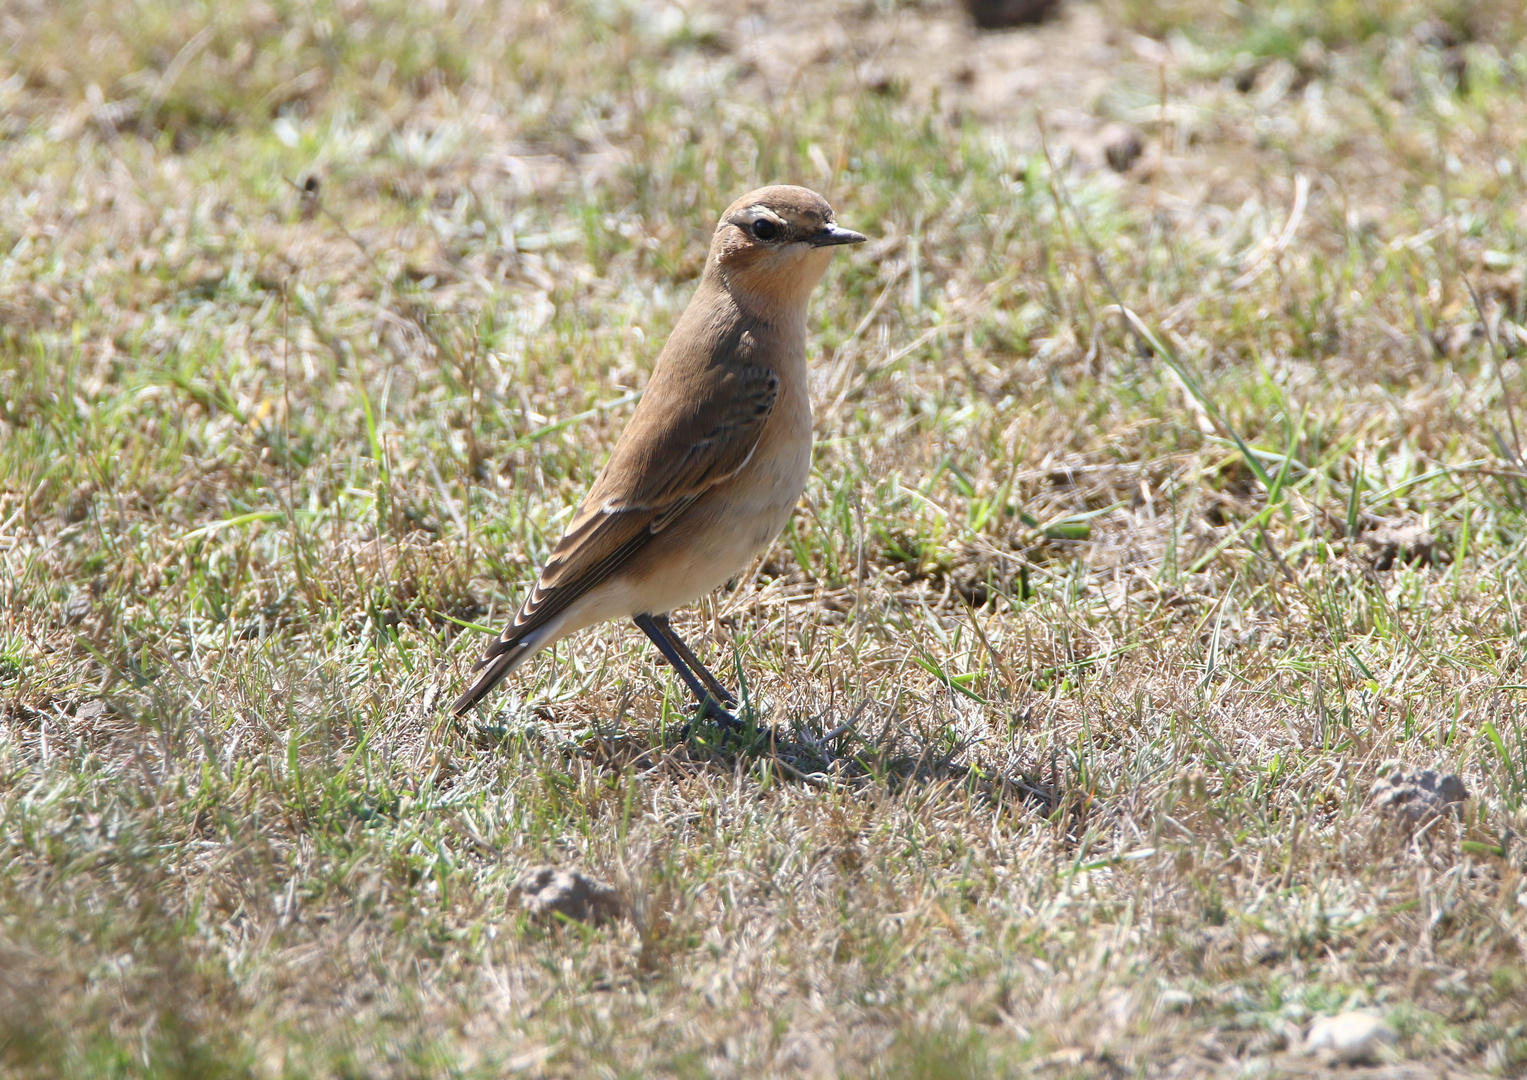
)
(696, 425)
(671, 468)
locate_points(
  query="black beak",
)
(835, 234)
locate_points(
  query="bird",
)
(713, 461)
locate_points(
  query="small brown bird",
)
(715, 457)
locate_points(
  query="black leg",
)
(708, 704)
(713, 684)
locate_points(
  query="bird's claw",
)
(712, 710)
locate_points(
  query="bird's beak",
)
(835, 234)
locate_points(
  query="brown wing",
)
(692, 430)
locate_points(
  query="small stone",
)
(1433, 33)
(1000, 14)
(1246, 73)
(1416, 796)
(76, 508)
(1272, 1039)
(310, 204)
(1407, 542)
(1312, 59)
(1175, 1001)
(546, 892)
(1456, 63)
(1261, 949)
(1351, 1038)
(1122, 146)
(77, 608)
(1451, 341)
(92, 713)
(877, 80)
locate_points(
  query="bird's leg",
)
(708, 703)
(713, 684)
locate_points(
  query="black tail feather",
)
(494, 669)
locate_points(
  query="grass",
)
(1098, 613)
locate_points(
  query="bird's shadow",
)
(825, 750)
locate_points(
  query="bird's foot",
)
(723, 718)
(711, 709)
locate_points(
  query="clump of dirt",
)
(546, 892)
(1416, 796)
(1002, 14)
(1407, 542)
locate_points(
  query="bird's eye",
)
(765, 229)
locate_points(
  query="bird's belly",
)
(723, 531)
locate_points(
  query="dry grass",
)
(1118, 648)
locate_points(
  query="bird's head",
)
(772, 245)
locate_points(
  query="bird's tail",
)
(504, 655)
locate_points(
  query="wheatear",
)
(714, 459)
